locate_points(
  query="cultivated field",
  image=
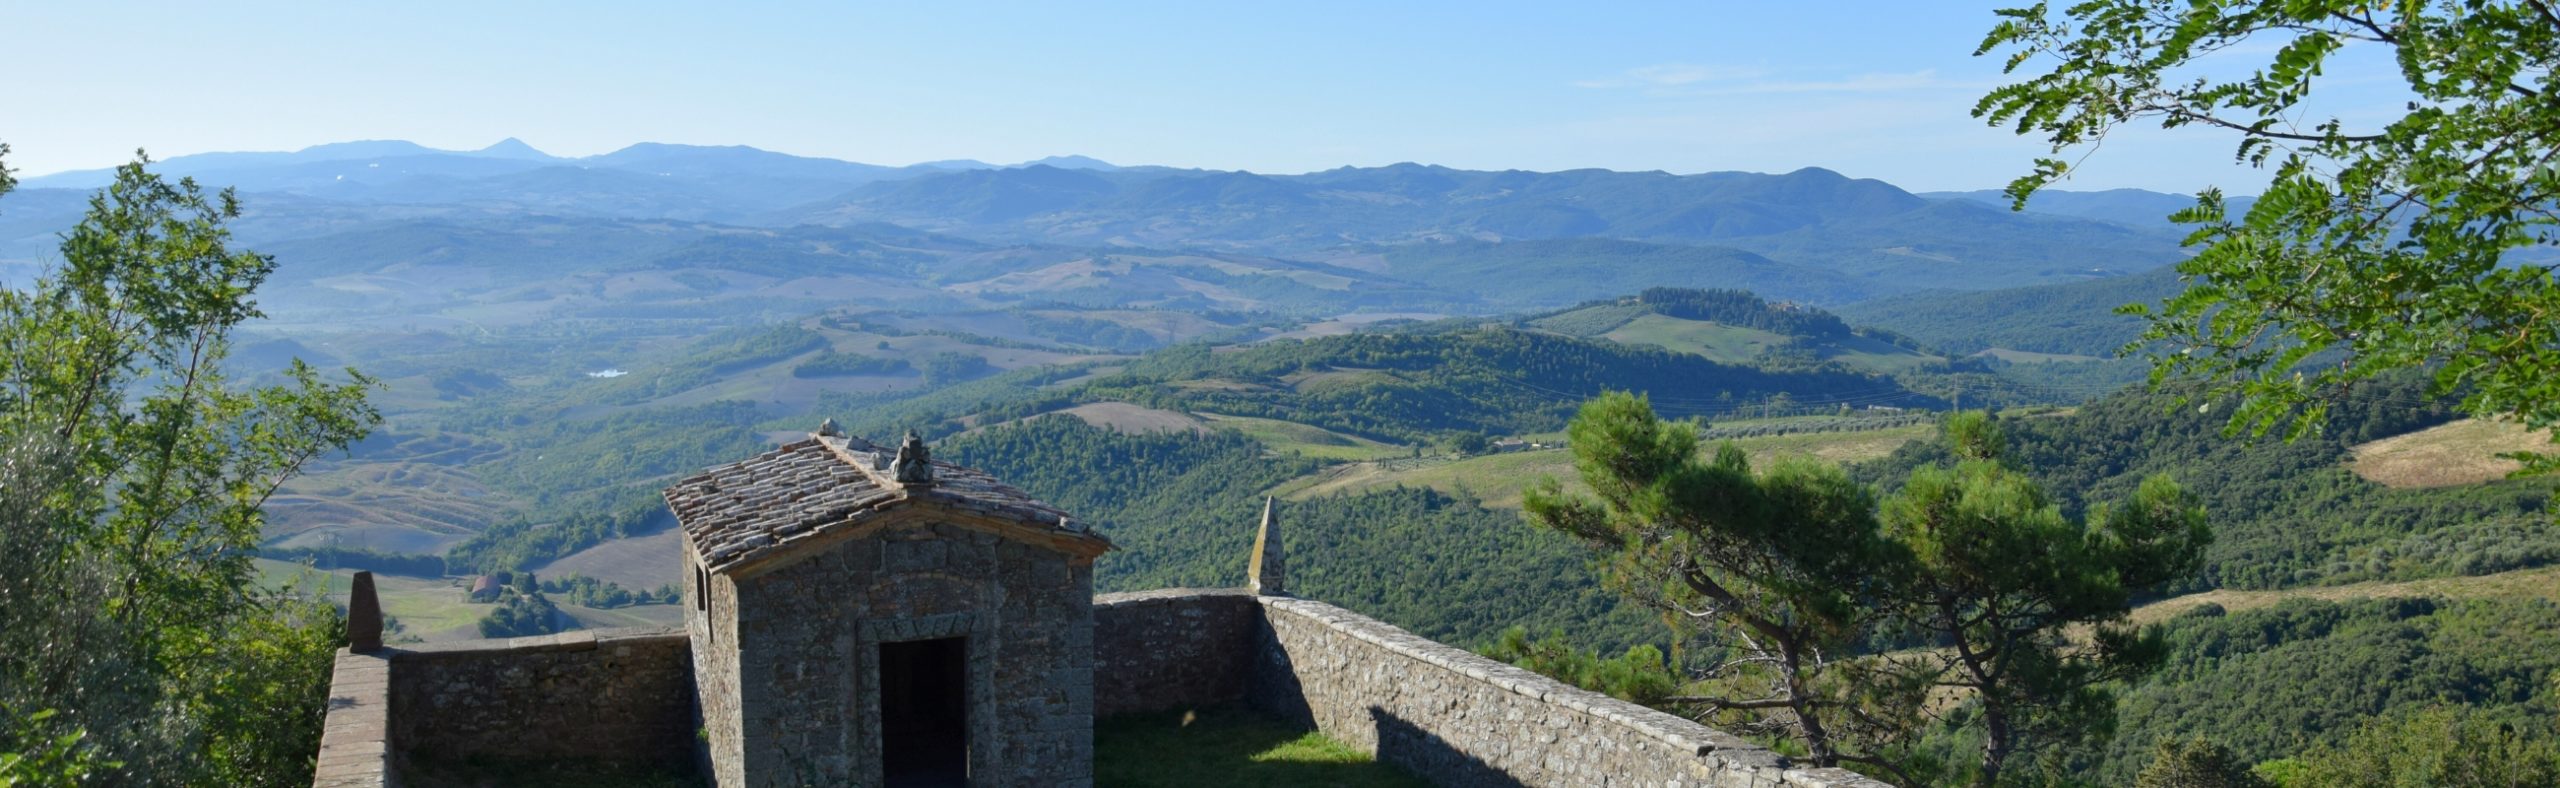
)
(2539, 583)
(1306, 440)
(638, 563)
(439, 609)
(1135, 419)
(1737, 345)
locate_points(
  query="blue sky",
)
(1871, 89)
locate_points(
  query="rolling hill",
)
(1736, 327)
(2075, 318)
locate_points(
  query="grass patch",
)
(1717, 341)
(433, 609)
(1133, 419)
(1229, 746)
(1737, 345)
(2462, 452)
(436, 609)
(2541, 583)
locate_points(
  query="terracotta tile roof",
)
(775, 501)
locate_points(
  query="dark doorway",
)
(924, 713)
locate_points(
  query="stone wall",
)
(355, 739)
(617, 695)
(1460, 719)
(711, 623)
(1175, 648)
(1453, 717)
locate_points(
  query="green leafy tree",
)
(1641, 675)
(2434, 748)
(135, 473)
(2420, 241)
(50, 761)
(2196, 763)
(2001, 577)
(1787, 564)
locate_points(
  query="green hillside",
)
(1412, 387)
(1736, 327)
(2284, 514)
(1737, 345)
(2076, 318)
(1533, 273)
(2273, 682)
(1182, 508)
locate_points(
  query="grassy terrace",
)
(1229, 746)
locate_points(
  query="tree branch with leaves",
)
(2426, 241)
(138, 471)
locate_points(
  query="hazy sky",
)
(1872, 89)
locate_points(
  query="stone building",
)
(859, 617)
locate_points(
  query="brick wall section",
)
(623, 695)
(1463, 720)
(1175, 648)
(355, 740)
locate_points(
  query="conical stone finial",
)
(364, 616)
(914, 465)
(1269, 574)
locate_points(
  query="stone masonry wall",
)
(1453, 717)
(1175, 648)
(711, 624)
(612, 695)
(1460, 719)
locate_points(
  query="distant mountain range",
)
(1439, 237)
(727, 182)
(1876, 236)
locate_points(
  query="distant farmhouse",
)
(864, 615)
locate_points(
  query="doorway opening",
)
(924, 713)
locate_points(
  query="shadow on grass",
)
(1229, 746)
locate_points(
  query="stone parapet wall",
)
(613, 695)
(1453, 717)
(355, 739)
(1459, 719)
(1169, 649)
